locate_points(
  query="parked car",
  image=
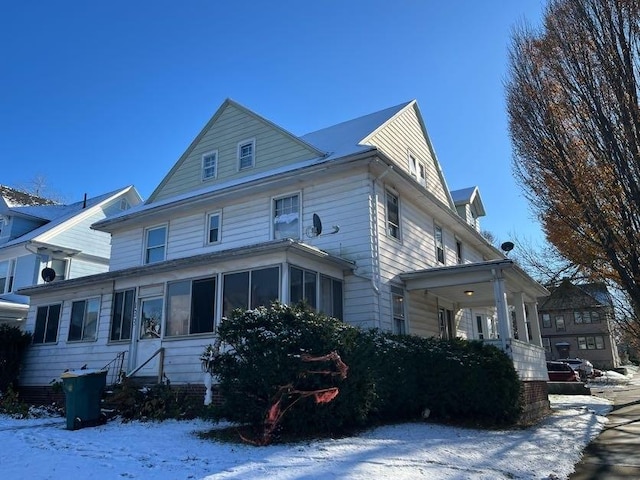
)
(584, 367)
(562, 372)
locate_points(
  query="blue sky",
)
(99, 95)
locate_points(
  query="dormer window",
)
(209, 165)
(246, 154)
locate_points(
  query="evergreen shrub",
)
(258, 361)
(13, 345)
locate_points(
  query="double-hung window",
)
(418, 170)
(209, 165)
(122, 315)
(546, 320)
(250, 289)
(439, 241)
(286, 217)
(246, 154)
(560, 327)
(213, 227)
(84, 319)
(191, 307)
(393, 216)
(47, 319)
(155, 244)
(7, 272)
(397, 305)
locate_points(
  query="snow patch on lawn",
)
(43, 448)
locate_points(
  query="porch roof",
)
(282, 245)
(472, 284)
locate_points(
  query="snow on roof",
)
(463, 195)
(57, 214)
(344, 138)
(17, 198)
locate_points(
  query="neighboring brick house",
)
(577, 321)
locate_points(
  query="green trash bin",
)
(83, 393)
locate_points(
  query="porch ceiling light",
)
(468, 293)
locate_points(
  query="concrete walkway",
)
(615, 453)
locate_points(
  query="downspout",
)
(375, 235)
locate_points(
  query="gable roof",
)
(567, 296)
(335, 142)
(59, 215)
(347, 138)
(225, 105)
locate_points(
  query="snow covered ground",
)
(42, 448)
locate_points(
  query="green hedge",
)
(13, 345)
(390, 377)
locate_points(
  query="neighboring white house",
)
(356, 218)
(40, 236)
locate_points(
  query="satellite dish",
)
(507, 247)
(48, 274)
(317, 225)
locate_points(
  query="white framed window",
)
(546, 343)
(439, 243)
(214, 222)
(155, 244)
(591, 343)
(210, 165)
(418, 170)
(480, 327)
(397, 305)
(546, 320)
(250, 289)
(318, 291)
(122, 313)
(47, 320)
(246, 154)
(560, 323)
(84, 320)
(7, 273)
(286, 217)
(124, 204)
(459, 252)
(191, 306)
(393, 215)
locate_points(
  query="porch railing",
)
(159, 352)
(114, 369)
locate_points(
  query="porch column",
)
(521, 317)
(502, 309)
(534, 323)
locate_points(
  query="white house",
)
(356, 218)
(38, 235)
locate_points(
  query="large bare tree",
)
(574, 119)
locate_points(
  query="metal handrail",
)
(159, 351)
(115, 376)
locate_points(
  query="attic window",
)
(418, 170)
(246, 156)
(209, 165)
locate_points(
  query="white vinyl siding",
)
(404, 133)
(229, 129)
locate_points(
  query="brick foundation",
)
(535, 401)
